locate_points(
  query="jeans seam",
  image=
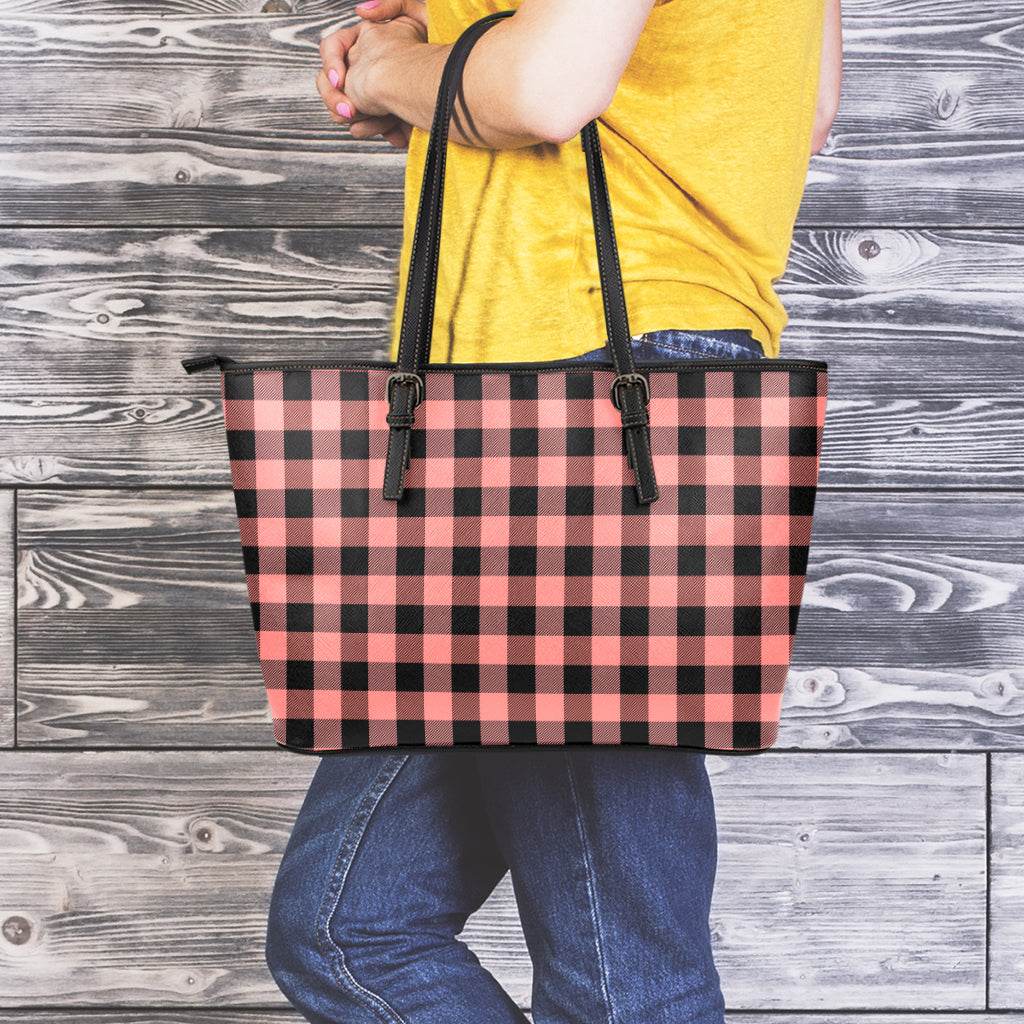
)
(591, 890)
(331, 951)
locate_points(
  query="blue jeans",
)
(612, 854)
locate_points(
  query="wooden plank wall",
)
(169, 186)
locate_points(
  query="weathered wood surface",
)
(223, 124)
(1006, 896)
(7, 616)
(142, 879)
(134, 626)
(92, 391)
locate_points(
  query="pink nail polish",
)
(333, 78)
(344, 109)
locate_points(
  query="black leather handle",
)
(629, 390)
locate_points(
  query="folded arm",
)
(537, 77)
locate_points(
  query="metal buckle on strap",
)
(403, 380)
(627, 379)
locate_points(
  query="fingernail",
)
(333, 77)
(344, 109)
(369, 5)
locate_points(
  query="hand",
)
(352, 55)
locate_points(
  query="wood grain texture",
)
(7, 616)
(143, 880)
(94, 392)
(134, 626)
(211, 117)
(1006, 896)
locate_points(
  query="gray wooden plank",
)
(194, 177)
(212, 97)
(110, 310)
(7, 615)
(142, 879)
(1006, 892)
(134, 627)
(98, 321)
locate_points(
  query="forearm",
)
(407, 79)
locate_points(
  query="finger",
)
(385, 10)
(333, 48)
(397, 138)
(368, 127)
(339, 106)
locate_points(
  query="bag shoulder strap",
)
(405, 389)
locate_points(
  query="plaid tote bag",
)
(520, 555)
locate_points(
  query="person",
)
(709, 112)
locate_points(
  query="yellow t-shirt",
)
(706, 145)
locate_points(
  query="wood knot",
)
(946, 104)
(204, 835)
(869, 249)
(277, 7)
(17, 930)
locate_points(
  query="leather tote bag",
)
(519, 555)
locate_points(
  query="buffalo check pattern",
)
(518, 595)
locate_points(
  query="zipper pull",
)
(199, 363)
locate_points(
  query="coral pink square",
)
(550, 591)
(326, 589)
(775, 470)
(718, 707)
(381, 705)
(439, 414)
(661, 650)
(382, 532)
(278, 700)
(323, 415)
(606, 591)
(438, 531)
(494, 532)
(437, 591)
(494, 707)
(607, 707)
(272, 588)
(326, 474)
(549, 650)
(437, 648)
(719, 590)
(270, 532)
(270, 473)
(662, 707)
(437, 707)
(327, 532)
(496, 414)
(721, 469)
(327, 704)
(775, 650)
(493, 650)
(775, 590)
(441, 472)
(550, 707)
(664, 591)
(493, 591)
(273, 645)
(495, 473)
(326, 646)
(380, 590)
(605, 650)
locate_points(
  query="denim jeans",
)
(612, 853)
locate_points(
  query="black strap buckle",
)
(403, 380)
(626, 380)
